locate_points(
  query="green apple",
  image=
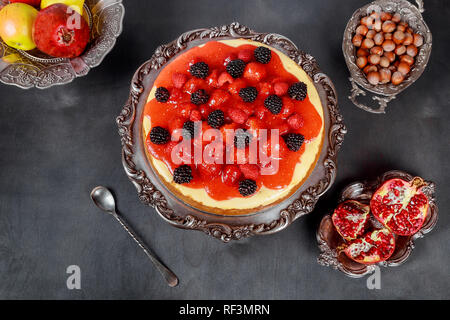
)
(76, 5)
(16, 25)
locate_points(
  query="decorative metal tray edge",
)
(363, 190)
(221, 229)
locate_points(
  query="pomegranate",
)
(350, 219)
(375, 246)
(60, 32)
(400, 205)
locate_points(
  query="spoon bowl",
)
(103, 199)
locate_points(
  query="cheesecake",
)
(232, 127)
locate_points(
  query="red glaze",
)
(172, 114)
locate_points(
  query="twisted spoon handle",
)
(170, 277)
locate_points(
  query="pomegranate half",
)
(373, 247)
(400, 205)
(350, 219)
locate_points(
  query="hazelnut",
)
(408, 39)
(397, 78)
(370, 68)
(400, 49)
(367, 43)
(388, 26)
(385, 16)
(362, 52)
(407, 59)
(384, 62)
(392, 68)
(404, 24)
(385, 75)
(388, 36)
(418, 40)
(404, 68)
(376, 50)
(390, 56)
(396, 17)
(398, 36)
(374, 59)
(373, 77)
(363, 20)
(378, 39)
(361, 62)
(411, 50)
(388, 45)
(357, 40)
(370, 34)
(362, 30)
(401, 28)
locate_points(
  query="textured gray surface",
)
(57, 144)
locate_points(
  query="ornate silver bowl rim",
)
(328, 238)
(153, 192)
(34, 69)
(383, 93)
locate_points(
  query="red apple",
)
(34, 3)
(60, 32)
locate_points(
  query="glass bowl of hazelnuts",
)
(386, 46)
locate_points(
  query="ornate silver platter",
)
(383, 93)
(329, 239)
(153, 192)
(34, 69)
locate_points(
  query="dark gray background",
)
(57, 144)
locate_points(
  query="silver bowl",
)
(28, 69)
(383, 93)
(154, 193)
(329, 239)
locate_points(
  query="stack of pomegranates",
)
(58, 29)
(400, 206)
(385, 47)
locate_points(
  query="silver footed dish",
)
(153, 192)
(329, 240)
(33, 69)
(382, 94)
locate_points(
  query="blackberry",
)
(162, 94)
(263, 54)
(199, 70)
(293, 141)
(273, 103)
(248, 94)
(188, 129)
(159, 135)
(241, 138)
(247, 187)
(298, 91)
(182, 174)
(199, 97)
(236, 68)
(216, 119)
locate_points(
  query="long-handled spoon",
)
(104, 199)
